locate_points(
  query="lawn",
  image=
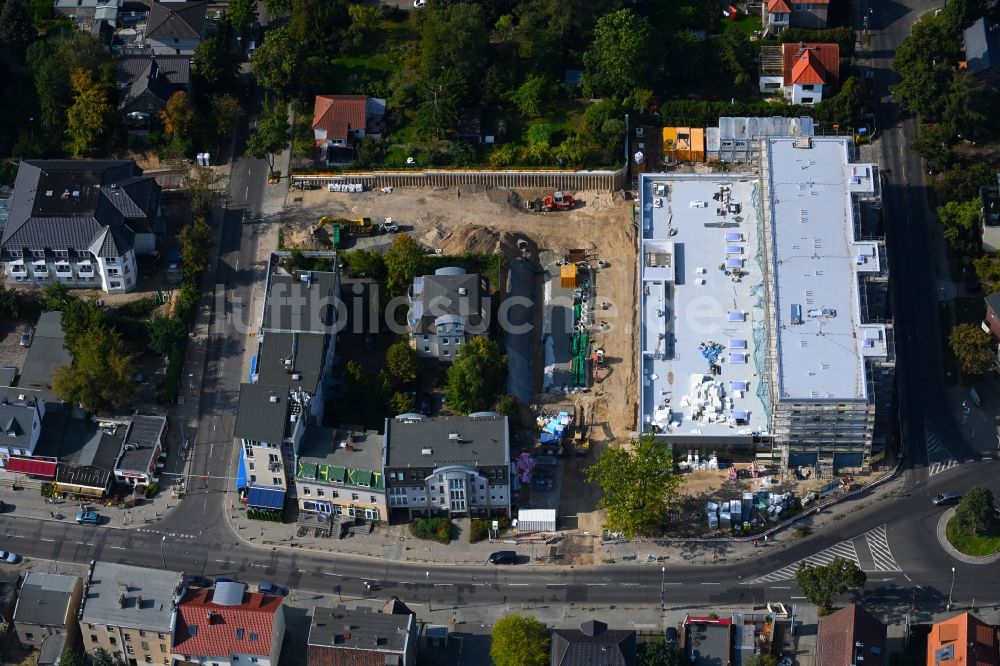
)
(976, 545)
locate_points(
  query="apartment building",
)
(46, 606)
(447, 310)
(339, 471)
(361, 637)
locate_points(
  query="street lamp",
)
(663, 575)
(428, 575)
(164, 559)
(952, 588)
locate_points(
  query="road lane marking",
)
(327, 574)
(117, 547)
(711, 583)
(844, 550)
(597, 584)
(449, 584)
(551, 584)
(798, 597)
(630, 584)
(44, 539)
(878, 544)
(673, 583)
(777, 587)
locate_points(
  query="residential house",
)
(962, 639)
(289, 377)
(708, 641)
(779, 15)
(339, 471)
(361, 637)
(81, 223)
(130, 612)
(47, 352)
(98, 18)
(175, 28)
(447, 310)
(982, 51)
(46, 606)
(448, 466)
(991, 323)
(146, 82)
(852, 635)
(340, 121)
(801, 72)
(137, 461)
(21, 415)
(989, 218)
(228, 626)
(479, 127)
(593, 643)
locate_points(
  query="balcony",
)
(63, 269)
(18, 269)
(40, 268)
(85, 268)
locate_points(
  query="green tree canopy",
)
(656, 652)
(530, 96)
(241, 14)
(102, 658)
(404, 260)
(976, 511)
(441, 96)
(476, 376)
(227, 111)
(51, 60)
(277, 61)
(364, 263)
(821, 584)
(87, 119)
(925, 62)
(618, 59)
(960, 224)
(101, 373)
(519, 641)
(70, 657)
(454, 38)
(16, 29)
(639, 485)
(738, 54)
(959, 13)
(273, 135)
(215, 67)
(401, 362)
(196, 240)
(166, 334)
(973, 348)
(969, 111)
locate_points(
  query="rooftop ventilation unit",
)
(426, 452)
(273, 398)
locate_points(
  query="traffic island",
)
(965, 547)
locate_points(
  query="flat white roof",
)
(702, 305)
(820, 341)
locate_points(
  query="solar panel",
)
(229, 594)
(737, 344)
(737, 316)
(734, 262)
(739, 386)
(734, 249)
(737, 358)
(733, 236)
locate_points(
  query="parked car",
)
(271, 588)
(503, 557)
(87, 518)
(3, 507)
(426, 404)
(950, 497)
(10, 558)
(199, 581)
(786, 660)
(27, 335)
(671, 637)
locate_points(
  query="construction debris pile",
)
(753, 511)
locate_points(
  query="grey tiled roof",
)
(593, 643)
(982, 45)
(67, 204)
(44, 599)
(160, 76)
(183, 20)
(47, 352)
(360, 629)
(15, 424)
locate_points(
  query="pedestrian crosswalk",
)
(172, 535)
(938, 467)
(936, 449)
(878, 544)
(876, 556)
(844, 550)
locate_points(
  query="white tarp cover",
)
(536, 520)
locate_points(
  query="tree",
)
(531, 95)
(241, 14)
(400, 403)
(976, 511)
(102, 657)
(639, 485)
(617, 61)
(476, 376)
(273, 134)
(278, 7)
(973, 348)
(79, 318)
(401, 362)
(51, 61)
(277, 61)
(925, 62)
(55, 296)
(454, 38)
(8, 302)
(87, 118)
(822, 583)
(519, 641)
(960, 222)
(968, 110)
(16, 29)
(959, 13)
(737, 53)
(196, 239)
(178, 118)
(71, 658)
(227, 112)
(166, 334)
(364, 263)
(656, 652)
(364, 20)
(214, 66)
(100, 374)
(441, 97)
(404, 260)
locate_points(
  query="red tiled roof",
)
(339, 113)
(245, 629)
(850, 632)
(31, 467)
(811, 63)
(778, 6)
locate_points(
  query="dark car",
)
(271, 588)
(199, 581)
(503, 557)
(950, 497)
(786, 660)
(3, 507)
(370, 341)
(671, 637)
(426, 404)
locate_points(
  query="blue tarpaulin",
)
(549, 438)
(266, 498)
(253, 367)
(241, 473)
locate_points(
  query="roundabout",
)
(947, 531)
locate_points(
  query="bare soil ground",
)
(494, 221)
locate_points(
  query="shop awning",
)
(42, 468)
(241, 473)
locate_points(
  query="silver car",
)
(10, 558)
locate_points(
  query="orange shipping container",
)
(567, 276)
